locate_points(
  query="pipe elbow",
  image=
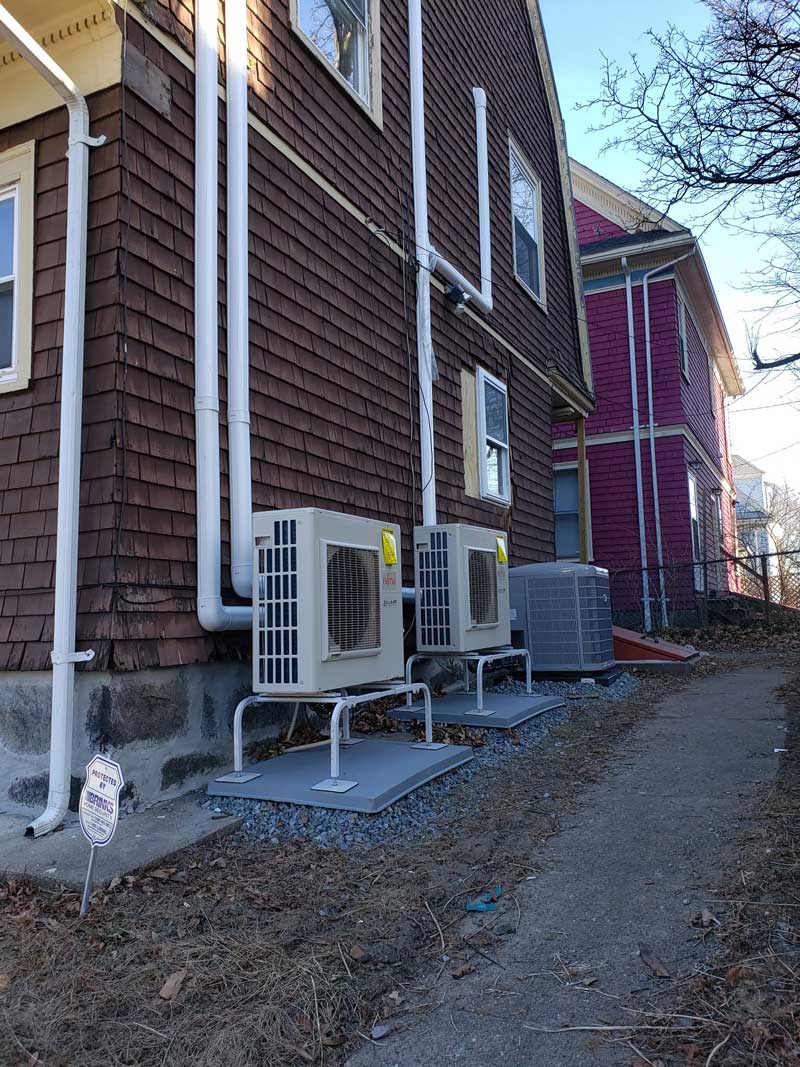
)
(242, 580)
(50, 819)
(216, 617)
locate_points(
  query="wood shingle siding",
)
(332, 345)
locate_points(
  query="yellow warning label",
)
(502, 555)
(389, 547)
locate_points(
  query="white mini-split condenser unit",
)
(327, 600)
(461, 576)
(564, 613)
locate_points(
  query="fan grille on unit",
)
(482, 586)
(354, 606)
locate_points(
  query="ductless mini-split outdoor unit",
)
(461, 575)
(563, 611)
(327, 600)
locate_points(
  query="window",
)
(494, 457)
(16, 265)
(526, 213)
(566, 507)
(683, 347)
(694, 519)
(345, 34)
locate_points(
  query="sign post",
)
(99, 811)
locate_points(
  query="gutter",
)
(637, 451)
(64, 657)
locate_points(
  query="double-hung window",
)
(494, 452)
(567, 512)
(694, 523)
(526, 213)
(16, 265)
(344, 33)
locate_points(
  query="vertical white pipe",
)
(240, 477)
(484, 216)
(662, 584)
(64, 656)
(211, 612)
(425, 263)
(637, 452)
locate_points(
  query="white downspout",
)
(662, 585)
(637, 452)
(212, 613)
(240, 476)
(429, 260)
(424, 264)
(64, 657)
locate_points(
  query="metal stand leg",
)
(527, 655)
(481, 662)
(428, 743)
(238, 774)
(409, 664)
(335, 784)
(466, 675)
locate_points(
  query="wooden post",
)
(765, 585)
(583, 510)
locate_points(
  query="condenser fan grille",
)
(482, 586)
(354, 604)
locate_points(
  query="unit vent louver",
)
(276, 567)
(354, 618)
(482, 587)
(461, 576)
(327, 602)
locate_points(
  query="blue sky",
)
(578, 33)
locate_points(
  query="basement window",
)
(344, 34)
(494, 452)
(526, 212)
(16, 266)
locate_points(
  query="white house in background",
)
(752, 508)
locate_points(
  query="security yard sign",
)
(99, 810)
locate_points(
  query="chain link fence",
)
(687, 594)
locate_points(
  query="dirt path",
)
(632, 865)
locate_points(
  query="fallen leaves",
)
(172, 986)
(5, 983)
(652, 962)
(462, 971)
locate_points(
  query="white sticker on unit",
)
(512, 614)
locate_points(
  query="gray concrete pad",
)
(641, 855)
(381, 771)
(501, 711)
(141, 840)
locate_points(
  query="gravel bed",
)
(418, 813)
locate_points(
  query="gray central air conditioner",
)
(461, 577)
(564, 613)
(327, 601)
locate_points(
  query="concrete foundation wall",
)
(170, 729)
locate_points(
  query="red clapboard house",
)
(630, 253)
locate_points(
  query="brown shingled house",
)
(333, 277)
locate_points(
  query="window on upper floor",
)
(526, 213)
(566, 508)
(16, 265)
(683, 346)
(494, 453)
(345, 35)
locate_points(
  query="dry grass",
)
(266, 935)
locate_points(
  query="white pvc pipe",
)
(662, 585)
(240, 477)
(480, 298)
(212, 613)
(424, 263)
(64, 657)
(637, 452)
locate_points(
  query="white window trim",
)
(516, 152)
(373, 105)
(573, 465)
(17, 171)
(481, 378)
